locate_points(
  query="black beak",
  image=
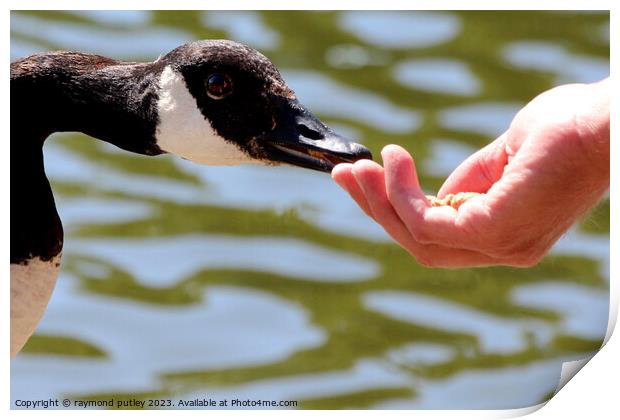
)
(301, 139)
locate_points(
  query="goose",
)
(214, 102)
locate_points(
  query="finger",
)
(478, 172)
(404, 192)
(370, 176)
(426, 224)
(344, 177)
(401, 175)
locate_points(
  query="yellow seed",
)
(452, 200)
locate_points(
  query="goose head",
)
(223, 103)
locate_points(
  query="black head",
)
(221, 102)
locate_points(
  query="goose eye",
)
(219, 86)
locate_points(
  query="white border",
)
(593, 392)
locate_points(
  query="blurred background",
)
(269, 283)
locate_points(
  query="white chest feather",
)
(31, 288)
(184, 131)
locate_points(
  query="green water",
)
(335, 336)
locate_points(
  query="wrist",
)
(594, 131)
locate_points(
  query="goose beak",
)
(301, 139)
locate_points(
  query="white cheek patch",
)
(185, 132)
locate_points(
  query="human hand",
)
(548, 169)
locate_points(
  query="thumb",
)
(479, 171)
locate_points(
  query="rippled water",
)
(269, 283)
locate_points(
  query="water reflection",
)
(173, 258)
(326, 96)
(148, 42)
(77, 211)
(366, 374)
(546, 56)
(421, 353)
(262, 282)
(63, 165)
(577, 244)
(445, 157)
(243, 26)
(142, 340)
(401, 29)
(116, 18)
(438, 75)
(495, 335)
(584, 311)
(490, 118)
(350, 56)
(500, 389)
(20, 48)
